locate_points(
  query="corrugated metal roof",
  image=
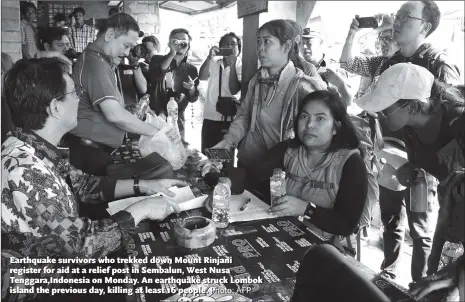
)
(195, 7)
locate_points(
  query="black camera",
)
(181, 43)
(139, 51)
(72, 54)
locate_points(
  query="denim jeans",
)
(394, 206)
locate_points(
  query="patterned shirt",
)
(81, 36)
(367, 67)
(40, 194)
(29, 38)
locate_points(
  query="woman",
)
(432, 118)
(171, 76)
(230, 70)
(268, 110)
(327, 178)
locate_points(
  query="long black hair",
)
(346, 136)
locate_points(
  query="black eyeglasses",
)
(78, 91)
(402, 18)
(389, 111)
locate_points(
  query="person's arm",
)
(156, 73)
(140, 81)
(344, 217)
(363, 66)
(104, 95)
(347, 53)
(241, 123)
(235, 77)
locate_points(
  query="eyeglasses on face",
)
(389, 111)
(402, 18)
(78, 92)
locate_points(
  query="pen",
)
(245, 205)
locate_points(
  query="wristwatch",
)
(309, 210)
(136, 187)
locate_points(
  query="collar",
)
(173, 64)
(421, 51)
(79, 27)
(94, 47)
(265, 77)
(43, 149)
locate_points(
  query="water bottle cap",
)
(383, 161)
(225, 181)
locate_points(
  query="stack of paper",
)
(255, 210)
(184, 197)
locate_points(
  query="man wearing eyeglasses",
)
(368, 67)
(413, 23)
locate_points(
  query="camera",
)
(183, 44)
(139, 51)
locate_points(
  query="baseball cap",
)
(311, 33)
(400, 81)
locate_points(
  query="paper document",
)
(184, 197)
(255, 210)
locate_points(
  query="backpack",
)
(371, 141)
(430, 58)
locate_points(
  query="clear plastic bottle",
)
(450, 253)
(419, 193)
(172, 111)
(277, 185)
(144, 103)
(221, 202)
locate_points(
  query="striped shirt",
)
(29, 38)
(81, 36)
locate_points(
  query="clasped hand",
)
(289, 206)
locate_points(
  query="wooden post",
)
(304, 10)
(249, 54)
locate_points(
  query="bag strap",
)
(221, 77)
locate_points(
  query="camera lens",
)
(183, 44)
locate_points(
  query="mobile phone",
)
(218, 154)
(367, 22)
(224, 52)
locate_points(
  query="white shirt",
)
(209, 111)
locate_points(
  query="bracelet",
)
(136, 187)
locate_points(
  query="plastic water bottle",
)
(172, 108)
(419, 193)
(143, 107)
(277, 185)
(450, 253)
(221, 202)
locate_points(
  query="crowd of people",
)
(73, 87)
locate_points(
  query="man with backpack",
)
(413, 23)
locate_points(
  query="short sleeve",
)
(99, 81)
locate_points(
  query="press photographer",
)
(131, 80)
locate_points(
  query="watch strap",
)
(136, 187)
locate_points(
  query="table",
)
(269, 248)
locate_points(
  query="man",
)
(81, 34)
(313, 51)
(113, 11)
(414, 22)
(28, 30)
(41, 191)
(229, 68)
(172, 76)
(60, 20)
(368, 67)
(102, 119)
(431, 116)
(152, 45)
(54, 39)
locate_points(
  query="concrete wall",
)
(146, 14)
(11, 35)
